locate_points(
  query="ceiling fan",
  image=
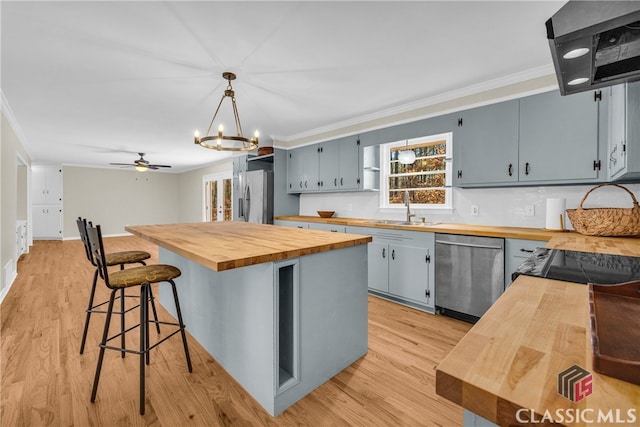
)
(141, 164)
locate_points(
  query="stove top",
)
(580, 267)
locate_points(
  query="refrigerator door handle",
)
(240, 208)
(247, 200)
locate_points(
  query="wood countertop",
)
(628, 246)
(511, 358)
(226, 245)
(469, 229)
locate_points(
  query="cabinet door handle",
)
(510, 169)
(300, 184)
(335, 182)
(526, 168)
(341, 183)
(526, 250)
(384, 252)
(393, 254)
(305, 184)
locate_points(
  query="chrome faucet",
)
(406, 203)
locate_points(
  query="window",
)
(428, 179)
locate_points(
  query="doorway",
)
(218, 197)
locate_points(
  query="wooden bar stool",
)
(143, 277)
(112, 259)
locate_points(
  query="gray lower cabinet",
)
(378, 266)
(327, 227)
(294, 224)
(516, 251)
(624, 132)
(399, 265)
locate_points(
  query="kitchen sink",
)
(405, 223)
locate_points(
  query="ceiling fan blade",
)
(122, 164)
(159, 166)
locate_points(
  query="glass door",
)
(218, 196)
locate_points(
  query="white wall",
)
(497, 206)
(115, 198)
(10, 149)
(191, 193)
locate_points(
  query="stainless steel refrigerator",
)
(255, 198)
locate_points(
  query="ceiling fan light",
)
(223, 142)
(141, 168)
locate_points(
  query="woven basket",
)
(606, 221)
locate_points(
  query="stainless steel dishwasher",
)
(469, 274)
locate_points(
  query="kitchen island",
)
(282, 310)
(506, 368)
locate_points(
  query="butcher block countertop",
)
(469, 229)
(569, 240)
(511, 359)
(226, 245)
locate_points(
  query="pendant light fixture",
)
(406, 156)
(220, 141)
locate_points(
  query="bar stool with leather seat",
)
(143, 277)
(112, 259)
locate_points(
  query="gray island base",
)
(280, 328)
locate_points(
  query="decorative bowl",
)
(326, 214)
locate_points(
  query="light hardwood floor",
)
(45, 381)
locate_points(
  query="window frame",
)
(385, 162)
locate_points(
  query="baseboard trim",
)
(10, 274)
(104, 235)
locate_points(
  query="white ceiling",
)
(96, 82)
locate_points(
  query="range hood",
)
(595, 44)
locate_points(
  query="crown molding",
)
(11, 118)
(420, 104)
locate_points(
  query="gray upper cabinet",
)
(624, 132)
(350, 164)
(541, 139)
(310, 172)
(488, 138)
(327, 166)
(558, 138)
(302, 169)
(294, 171)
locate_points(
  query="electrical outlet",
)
(529, 210)
(475, 210)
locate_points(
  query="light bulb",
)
(576, 53)
(141, 168)
(196, 136)
(220, 129)
(407, 157)
(578, 81)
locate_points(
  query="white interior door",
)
(218, 197)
